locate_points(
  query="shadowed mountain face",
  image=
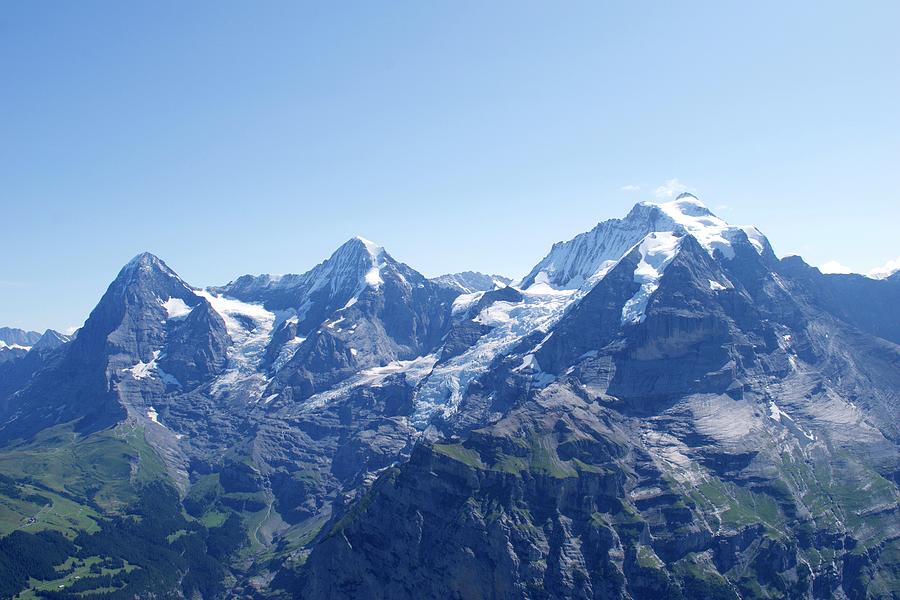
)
(101, 374)
(660, 408)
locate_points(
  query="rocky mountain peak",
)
(146, 278)
(468, 282)
(51, 339)
(142, 264)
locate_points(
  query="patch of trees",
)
(10, 489)
(193, 563)
(24, 555)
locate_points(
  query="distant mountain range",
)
(660, 408)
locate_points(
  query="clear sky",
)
(248, 137)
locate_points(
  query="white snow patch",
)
(529, 363)
(373, 276)
(153, 415)
(176, 308)
(496, 314)
(463, 302)
(777, 414)
(287, 351)
(716, 286)
(143, 370)
(657, 251)
(757, 239)
(14, 346)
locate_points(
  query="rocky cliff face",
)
(113, 367)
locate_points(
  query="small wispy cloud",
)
(631, 187)
(886, 270)
(833, 266)
(670, 189)
(5, 283)
(71, 329)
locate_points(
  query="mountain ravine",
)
(661, 408)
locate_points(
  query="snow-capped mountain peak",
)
(583, 260)
(355, 264)
(690, 215)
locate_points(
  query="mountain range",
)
(660, 408)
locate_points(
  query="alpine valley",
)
(661, 408)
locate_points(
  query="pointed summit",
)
(147, 280)
(51, 340)
(144, 259)
(371, 247)
(145, 265)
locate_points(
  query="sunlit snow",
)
(443, 389)
(657, 251)
(176, 308)
(250, 328)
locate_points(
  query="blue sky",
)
(236, 137)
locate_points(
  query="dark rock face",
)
(101, 374)
(19, 337)
(15, 374)
(868, 304)
(15, 343)
(195, 346)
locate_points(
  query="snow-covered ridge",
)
(14, 346)
(713, 233)
(657, 250)
(576, 264)
(582, 261)
(355, 265)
